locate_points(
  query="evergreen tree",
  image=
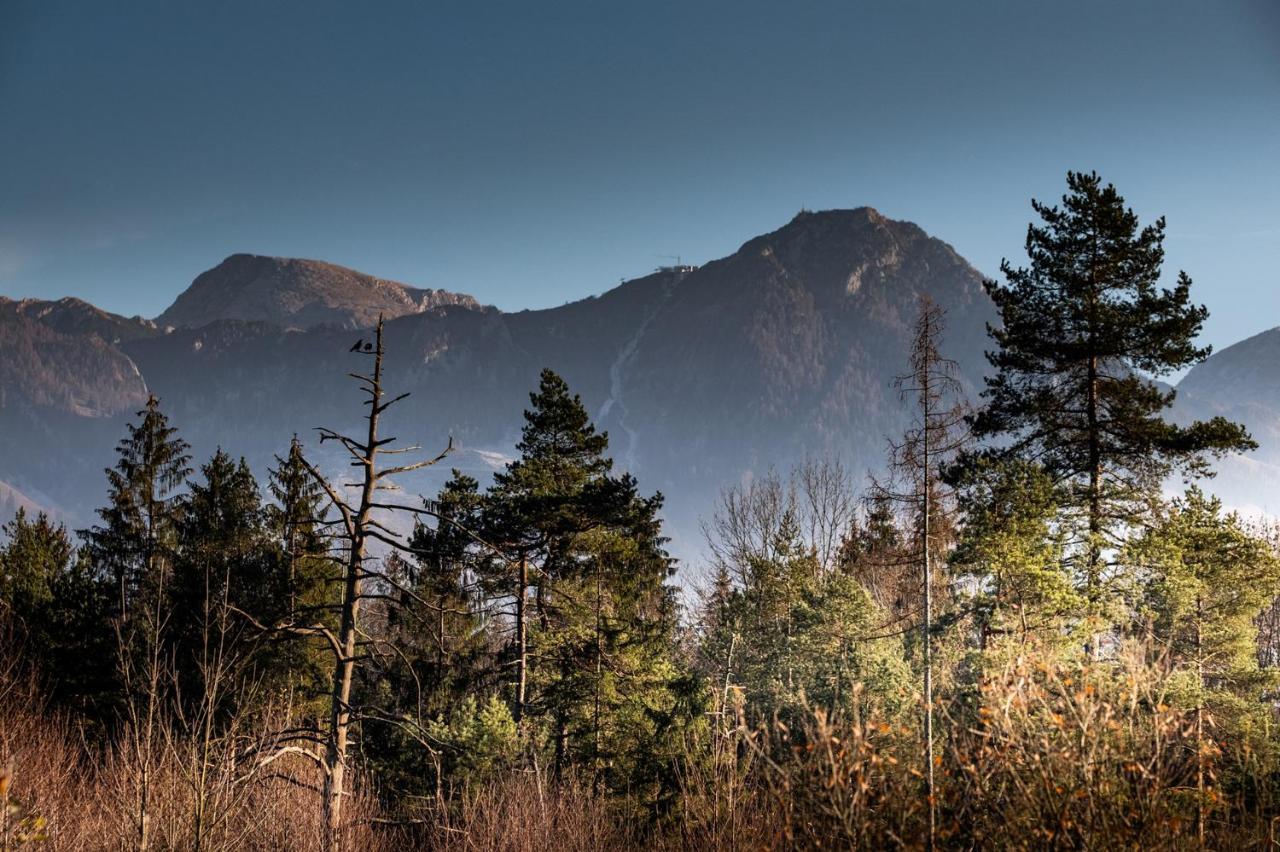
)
(1010, 555)
(57, 610)
(223, 572)
(35, 554)
(294, 520)
(449, 654)
(790, 639)
(301, 580)
(135, 543)
(1082, 329)
(562, 513)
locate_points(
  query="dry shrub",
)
(88, 795)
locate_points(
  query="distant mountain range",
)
(702, 376)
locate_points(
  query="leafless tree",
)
(360, 524)
(933, 439)
(819, 496)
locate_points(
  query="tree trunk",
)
(1094, 566)
(335, 757)
(522, 637)
(926, 494)
(1200, 769)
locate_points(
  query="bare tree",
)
(357, 528)
(932, 440)
(819, 496)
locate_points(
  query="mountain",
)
(77, 317)
(1242, 383)
(703, 376)
(296, 293)
(64, 394)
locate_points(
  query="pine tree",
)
(1083, 330)
(1011, 557)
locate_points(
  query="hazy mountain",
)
(73, 316)
(702, 376)
(1242, 383)
(296, 293)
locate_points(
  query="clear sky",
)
(532, 153)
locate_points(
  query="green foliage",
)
(1011, 555)
(134, 545)
(1206, 581)
(476, 742)
(793, 637)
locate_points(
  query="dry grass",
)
(1038, 756)
(88, 796)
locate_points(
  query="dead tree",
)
(930, 442)
(357, 528)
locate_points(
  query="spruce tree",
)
(295, 521)
(1083, 331)
(223, 572)
(58, 610)
(556, 508)
(135, 543)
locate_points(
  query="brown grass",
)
(1039, 755)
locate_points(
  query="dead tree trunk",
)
(359, 529)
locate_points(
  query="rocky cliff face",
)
(296, 293)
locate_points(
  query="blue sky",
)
(535, 153)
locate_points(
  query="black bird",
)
(368, 347)
(356, 348)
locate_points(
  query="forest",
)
(1033, 628)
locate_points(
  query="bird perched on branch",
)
(368, 347)
(356, 348)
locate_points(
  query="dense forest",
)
(1014, 636)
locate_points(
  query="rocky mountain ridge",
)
(297, 293)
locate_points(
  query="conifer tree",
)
(930, 446)
(295, 520)
(1011, 555)
(135, 543)
(550, 508)
(1083, 330)
(58, 610)
(35, 553)
(223, 570)
(134, 547)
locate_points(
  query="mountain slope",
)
(297, 293)
(703, 377)
(1242, 383)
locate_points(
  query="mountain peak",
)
(299, 293)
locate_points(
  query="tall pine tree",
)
(1083, 330)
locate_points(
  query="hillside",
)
(702, 376)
